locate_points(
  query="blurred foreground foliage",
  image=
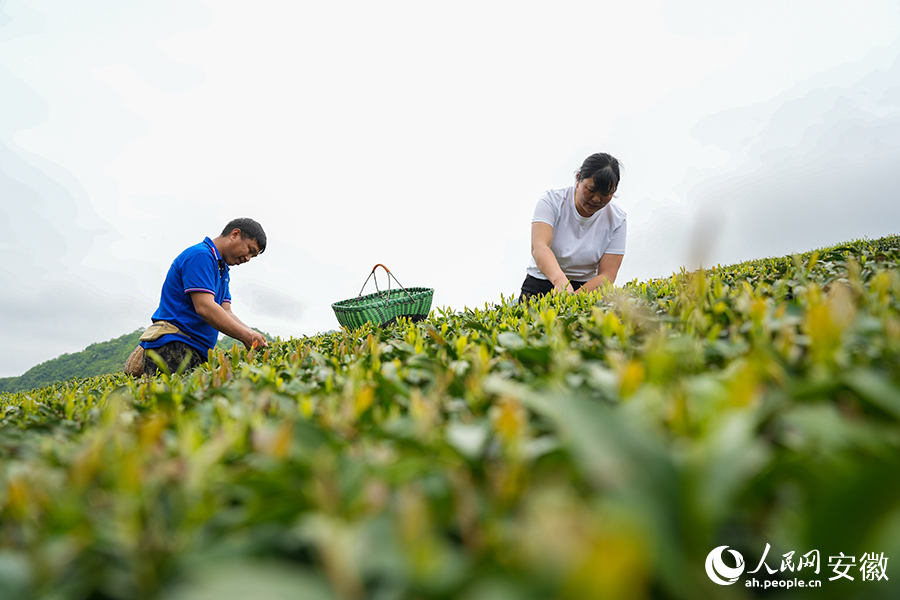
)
(587, 446)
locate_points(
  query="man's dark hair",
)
(604, 169)
(249, 229)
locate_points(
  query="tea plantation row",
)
(587, 446)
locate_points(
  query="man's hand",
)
(256, 340)
(224, 320)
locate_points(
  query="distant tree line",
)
(97, 359)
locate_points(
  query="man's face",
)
(239, 249)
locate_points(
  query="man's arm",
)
(541, 238)
(607, 270)
(226, 306)
(224, 320)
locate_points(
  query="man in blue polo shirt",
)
(195, 304)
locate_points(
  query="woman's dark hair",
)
(603, 168)
(249, 229)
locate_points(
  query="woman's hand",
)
(565, 288)
(607, 269)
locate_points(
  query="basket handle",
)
(388, 271)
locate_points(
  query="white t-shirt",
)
(578, 242)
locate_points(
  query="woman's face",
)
(588, 199)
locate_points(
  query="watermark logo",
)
(721, 573)
(872, 566)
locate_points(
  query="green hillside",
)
(97, 359)
(614, 445)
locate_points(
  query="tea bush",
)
(586, 446)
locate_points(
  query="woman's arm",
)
(607, 270)
(541, 238)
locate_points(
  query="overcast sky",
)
(419, 135)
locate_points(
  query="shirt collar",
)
(215, 251)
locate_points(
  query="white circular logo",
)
(721, 573)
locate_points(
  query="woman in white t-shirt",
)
(577, 234)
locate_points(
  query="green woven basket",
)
(384, 306)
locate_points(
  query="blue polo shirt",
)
(200, 268)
